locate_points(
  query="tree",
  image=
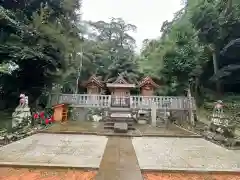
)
(215, 22)
(190, 45)
(119, 45)
(40, 37)
(173, 57)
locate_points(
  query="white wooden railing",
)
(136, 102)
(171, 102)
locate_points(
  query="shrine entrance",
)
(120, 91)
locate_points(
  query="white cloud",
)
(147, 15)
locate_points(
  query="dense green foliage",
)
(38, 38)
(192, 48)
(119, 49)
(46, 46)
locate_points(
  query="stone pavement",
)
(118, 159)
(184, 154)
(56, 150)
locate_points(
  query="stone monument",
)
(221, 128)
(22, 113)
(218, 118)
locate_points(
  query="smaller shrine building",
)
(120, 87)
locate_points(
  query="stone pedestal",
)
(20, 114)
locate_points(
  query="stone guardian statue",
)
(22, 112)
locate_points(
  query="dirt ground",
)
(190, 176)
(7, 173)
(45, 174)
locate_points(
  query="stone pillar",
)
(165, 106)
(154, 115)
(190, 110)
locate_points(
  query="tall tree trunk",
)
(214, 51)
(228, 7)
(196, 90)
(215, 68)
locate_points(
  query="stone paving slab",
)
(56, 149)
(119, 161)
(184, 154)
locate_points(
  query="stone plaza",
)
(56, 150)
(197, 154)
(153, 153)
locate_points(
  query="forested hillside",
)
(198, 47)
(46, 46)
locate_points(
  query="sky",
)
(147, 15)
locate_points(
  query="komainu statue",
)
(219, 121)
(22, 113)
(222, 127)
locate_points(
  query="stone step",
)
(113, 122)
(119, 119)
(112, 127)
(126, 115)
(120, 127)
(108, 127)
(116, 109)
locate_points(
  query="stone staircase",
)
(119, 120)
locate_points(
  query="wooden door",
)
(120, 99)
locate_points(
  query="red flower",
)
(41, 115)
(35, 116)
(46, 121)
